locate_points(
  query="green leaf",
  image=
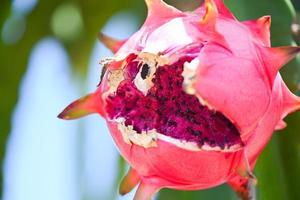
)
(219, 192)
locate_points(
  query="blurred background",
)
(49, 56)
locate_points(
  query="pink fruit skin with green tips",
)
(192, 98)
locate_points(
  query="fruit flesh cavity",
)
(158, 102)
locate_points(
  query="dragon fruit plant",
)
(192, 98)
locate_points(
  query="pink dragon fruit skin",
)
(235, 72)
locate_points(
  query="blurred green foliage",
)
(14, 57)
(277, 169)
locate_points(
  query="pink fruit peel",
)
(192, 98)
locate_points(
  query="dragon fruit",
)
(192, 98)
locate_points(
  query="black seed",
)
(200, 142)
(221, 145)
(145, 71)
(193, 132)
(197, 133)
(189, 110)
(172, 123)
(163, 99)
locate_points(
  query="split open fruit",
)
(192, 98)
